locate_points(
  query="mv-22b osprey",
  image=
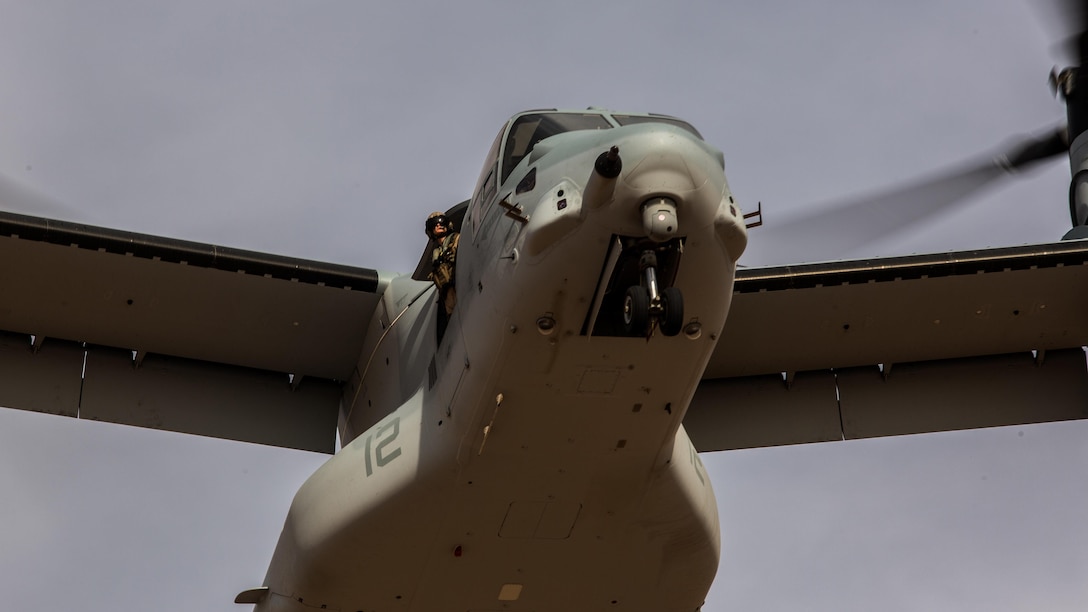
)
(542, 453)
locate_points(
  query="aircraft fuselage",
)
(534, 458)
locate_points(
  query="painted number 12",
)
(382, 454)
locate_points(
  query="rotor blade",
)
(830, 231)
(1034, 149)
(1076, 14)
(1067, 20)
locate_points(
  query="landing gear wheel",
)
(636, 311)
(672, 311)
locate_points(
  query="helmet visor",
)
(434, 222)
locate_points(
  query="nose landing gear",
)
(645, 304)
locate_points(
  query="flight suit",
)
(443, 270)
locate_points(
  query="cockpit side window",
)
(528, 130)
(634, 119)
(485, 186)
(489, 161)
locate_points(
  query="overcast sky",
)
(329, 130)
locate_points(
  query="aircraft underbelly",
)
(565, 497)
(578, 489)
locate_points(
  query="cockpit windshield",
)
(531, 129)
(633, 119)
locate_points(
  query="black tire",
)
(636, 311)
(672, 315)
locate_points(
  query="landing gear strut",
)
(646, 304)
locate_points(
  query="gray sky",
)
(329, 130)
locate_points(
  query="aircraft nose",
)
(673, 164)
(671, 185)
(649, 180)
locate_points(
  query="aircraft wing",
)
(176, 335)
(860, 349)
(195, 338)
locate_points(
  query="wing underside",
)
(176, 335)
(895, 346)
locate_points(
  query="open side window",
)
(456, 215)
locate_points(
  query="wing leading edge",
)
(895, 346)
(177, 335)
